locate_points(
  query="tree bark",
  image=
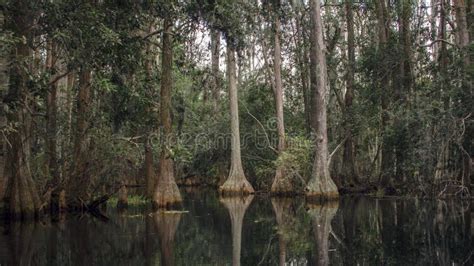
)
(3, 119)
(51, 127)
(383, 32)
(443, 60)
(148, 169)
(78, 194)
(463, 40)
(470, 21)
(236, 183)
(215, 83)
(281, 183)
(237, 206)
(68, 138)
(149, 172)
(463, 37)
(349, 174)
(302, 61)
(122, 202)
(51, 113)
(406, 71)
(166, 189)
(403, 83)
(320, 186)
(21, 199)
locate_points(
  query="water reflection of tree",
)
(322, 216)
(20, 243)
(237, 206)
(369, 232)
(384, 231)
(166, 224)
(285, 217)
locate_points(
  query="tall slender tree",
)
(215, 55)
(78, 194)
(349, 174)
(281, 184)
(236, 182)
(321, 184)
(384, 80)
(51, 125)
(462, 30)
(464, 38)
(148, 169)
(166, 189)
(3, 91)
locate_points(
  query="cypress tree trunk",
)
(236, 182)
(122, 202)
(78, 194)
(320, 185)
(302, 61)
(148, 169)
(470, 21)
(51, 113)
(406, 55)
(21, 199)
(281, 184)
(382, 27)
(166, 189)
(215, 86)
(51, 128)
(150, 177)
(463, 37)
(443, 60)
(3, 119)
(403, 86)
(349, 175)
(463, 40)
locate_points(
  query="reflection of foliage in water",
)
(365, 231)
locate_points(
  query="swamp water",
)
(256, 230)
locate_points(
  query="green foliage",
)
(133, 201)
(296, 159)
(120, 44)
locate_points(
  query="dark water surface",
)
(252, 231)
